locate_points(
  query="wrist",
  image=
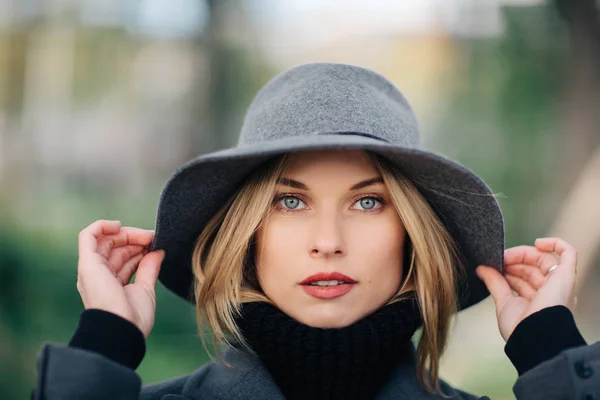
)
(110, 335)
(541, 336)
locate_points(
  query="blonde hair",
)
(223, 263)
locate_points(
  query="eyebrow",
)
(299, 185)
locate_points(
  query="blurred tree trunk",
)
(225, 81)
(582, 96)
(578, 220)
(203, 134)
(218, 106)
(14, 163)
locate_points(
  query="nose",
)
(327, 240)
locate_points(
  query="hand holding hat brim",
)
(525, 272)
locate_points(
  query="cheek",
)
(383, 237)
(277, 243)
(382, 253)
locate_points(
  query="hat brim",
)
(196, 191)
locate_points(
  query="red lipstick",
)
(344, 285)
(327, 276)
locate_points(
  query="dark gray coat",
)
(69, 373)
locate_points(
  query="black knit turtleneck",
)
(337, 363)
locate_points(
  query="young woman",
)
(313, 251)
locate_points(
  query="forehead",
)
(350, 162)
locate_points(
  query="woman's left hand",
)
(525, 269)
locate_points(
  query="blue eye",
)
(290, 202)
(368, 203)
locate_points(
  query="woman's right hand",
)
(108, 257)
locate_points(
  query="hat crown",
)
(322, 98)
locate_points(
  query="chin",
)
(327, 318)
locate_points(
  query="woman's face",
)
(333, 215)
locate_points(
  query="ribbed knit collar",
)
(352, 362)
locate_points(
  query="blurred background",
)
(101, 100)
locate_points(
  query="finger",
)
(496, 284)
(567, 253)
(126, 236)
(148, 270)
(118, 257)
(88, 237)
(533, 275)
(529, 255)
(126, 272)
(521, 286)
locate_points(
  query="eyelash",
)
(282, 196)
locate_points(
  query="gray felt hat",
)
(329, 106)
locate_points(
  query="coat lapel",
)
(245, 378)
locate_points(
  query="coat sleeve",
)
(72, 373)
(552, 359)
(98, 363)
(573, 374)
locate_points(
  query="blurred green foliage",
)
(39, 303)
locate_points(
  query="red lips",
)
(328, 292)
(327, 276)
